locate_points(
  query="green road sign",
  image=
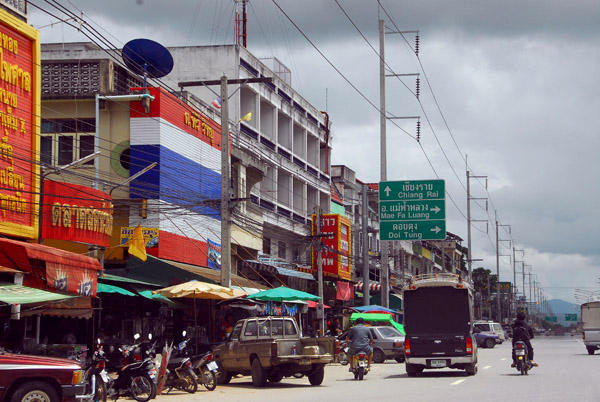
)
(570, 317)
(551, 318)
(412, 190)
(413, 230)
(412, 210)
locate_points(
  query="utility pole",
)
(225, 166)
(320, 307)
(498, 266)
(365, 250)
(385, 296)
(225, 189)
(469, 220)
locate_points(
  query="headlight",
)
(77, 377)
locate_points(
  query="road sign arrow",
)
(435, 229)
(436, 209)
(387, 191)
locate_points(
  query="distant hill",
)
(560, 308)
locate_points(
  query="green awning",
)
(155, 270)
(106, 288)
(116, 278)
(379, 317)
(18, 294)
(156, 297)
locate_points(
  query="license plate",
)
(362, 363)
(305, 362)
(104, 376)
(520, 353)
(437, 363)
(212, 366)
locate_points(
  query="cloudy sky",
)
(509, 87)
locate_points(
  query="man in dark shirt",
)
(360, 339)
(522, 332)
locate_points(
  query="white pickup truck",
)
(590, 324)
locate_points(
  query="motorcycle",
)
(96, 375)
(360, 368)
(133, 379)
(179, 372)
(521, 358)
(206, 370)
(343, 356)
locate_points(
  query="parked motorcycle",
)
(343, 356)
(179, 373)
(206, 370)
(360, 368)
(521, 357)
(96, 375)
(133, 379)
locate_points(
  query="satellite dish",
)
(148, 58)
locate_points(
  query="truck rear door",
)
(437, 321)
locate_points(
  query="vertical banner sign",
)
(19, 126)
(214, 254)
(337, 243)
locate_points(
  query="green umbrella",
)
(283, 294)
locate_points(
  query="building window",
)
(66, 140)
(281, 250)
(266, 245)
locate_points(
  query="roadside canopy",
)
(378, 317)
(106, 288)
(17, 294)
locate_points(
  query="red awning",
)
(313, 304)
(64, 270)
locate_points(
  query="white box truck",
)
(590, 325)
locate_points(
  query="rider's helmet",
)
(360, 320)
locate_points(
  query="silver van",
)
(490, 327)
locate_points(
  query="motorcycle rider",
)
(522, 332)
(360, 339)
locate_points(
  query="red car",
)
(39, 378)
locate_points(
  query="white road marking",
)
(487, 367)
(457, 382)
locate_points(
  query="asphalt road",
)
(566, 373)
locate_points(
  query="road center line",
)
(457, 382)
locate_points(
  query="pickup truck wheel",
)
(471, 369)
(316, 377)
(412, 370)
(590, 350)
(259, 374)
(378, 356)
(275, 376)
(35, 391)
(490, 343)
(399, 359)
(224, 377)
